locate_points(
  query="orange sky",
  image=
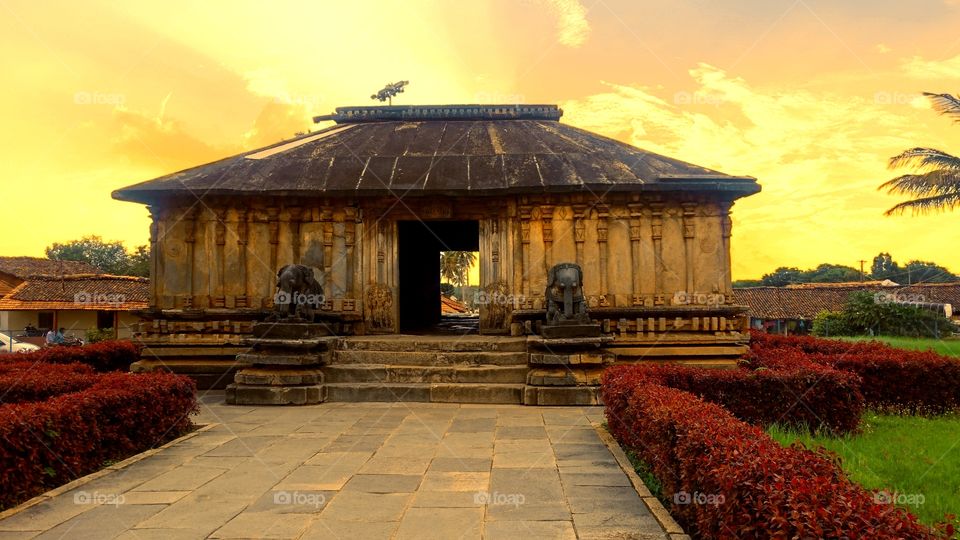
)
(811, 97)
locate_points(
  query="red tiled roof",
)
(807, 302)
(24, 267)
(79, 291)
(449, 305)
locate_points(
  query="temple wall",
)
(635, 250)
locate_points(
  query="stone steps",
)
(392, 373)
(429, 358)
(409, 343)
(426, 392)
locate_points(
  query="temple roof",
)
(449, 149)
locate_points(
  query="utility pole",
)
(862, 262)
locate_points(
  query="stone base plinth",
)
(248, 394)
(555, 331)
(561, 395)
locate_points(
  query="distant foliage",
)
(864, 315)
(109, 257)
(882, 267)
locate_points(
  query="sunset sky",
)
(810, 96)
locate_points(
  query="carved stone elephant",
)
(564, 295)
(299, 294)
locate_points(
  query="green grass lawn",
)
(949, 347)
(907, 454)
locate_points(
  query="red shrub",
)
(42, 383)
(102, 356)
(893, 380)
(730, 480)
(50, 442)
(11, 367)
(809, 398)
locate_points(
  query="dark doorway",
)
(420, 244)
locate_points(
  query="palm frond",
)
(925, 184)
(945, 104)
(925, 158)
(926, 205)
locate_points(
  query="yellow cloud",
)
(572, 25)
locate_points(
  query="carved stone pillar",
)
(326, 220)
(546, 219)
(636, 264)
(220, 238)
(156, 274)
(243, 230)
(525, 249)
(579, 230)
(656, 228)
(296, 217)
(726, 225)
(190, 238)
(603, 215)
(689, 234)
(350, 220)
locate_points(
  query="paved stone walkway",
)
(367, 470)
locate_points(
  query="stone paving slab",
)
(363, 470)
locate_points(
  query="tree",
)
(884, 267)
(109, 257)
(455, 267)
(934, 186)
(927, 272)
(832, 273)
(783, 276)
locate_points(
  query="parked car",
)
(8, 345)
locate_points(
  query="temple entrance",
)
(419, 246)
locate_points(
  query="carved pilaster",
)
(296, 218)
(190, 238)
(579, 230)
(525, 249)
(603, 215)
(726, 225)
(689, 234)
(636, 264)
(156, 275)
(350, 220)
(243, 230)
(656, 228)
(326, 220)
(220, 238)
(546, 219)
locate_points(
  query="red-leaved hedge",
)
(114, 355)
(48, 443)
(893, 380)
(729, 479)
(42, 381)
(808, 398)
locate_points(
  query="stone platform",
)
(372, 470)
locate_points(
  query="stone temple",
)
(370, 201)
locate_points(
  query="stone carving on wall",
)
(380, 304)
(564, 295)
(498, 300)
(299, 295)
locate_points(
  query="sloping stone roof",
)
(24, 267)
(80, 291)
(806, 302)
(430, 150)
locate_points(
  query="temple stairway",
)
(441, 369)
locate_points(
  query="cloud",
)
(819, 157)
(919, 68)
(572, 25)
(160, 142)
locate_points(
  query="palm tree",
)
(455, 267)
(935, 184)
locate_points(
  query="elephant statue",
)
(564, 294)
(299, 294)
